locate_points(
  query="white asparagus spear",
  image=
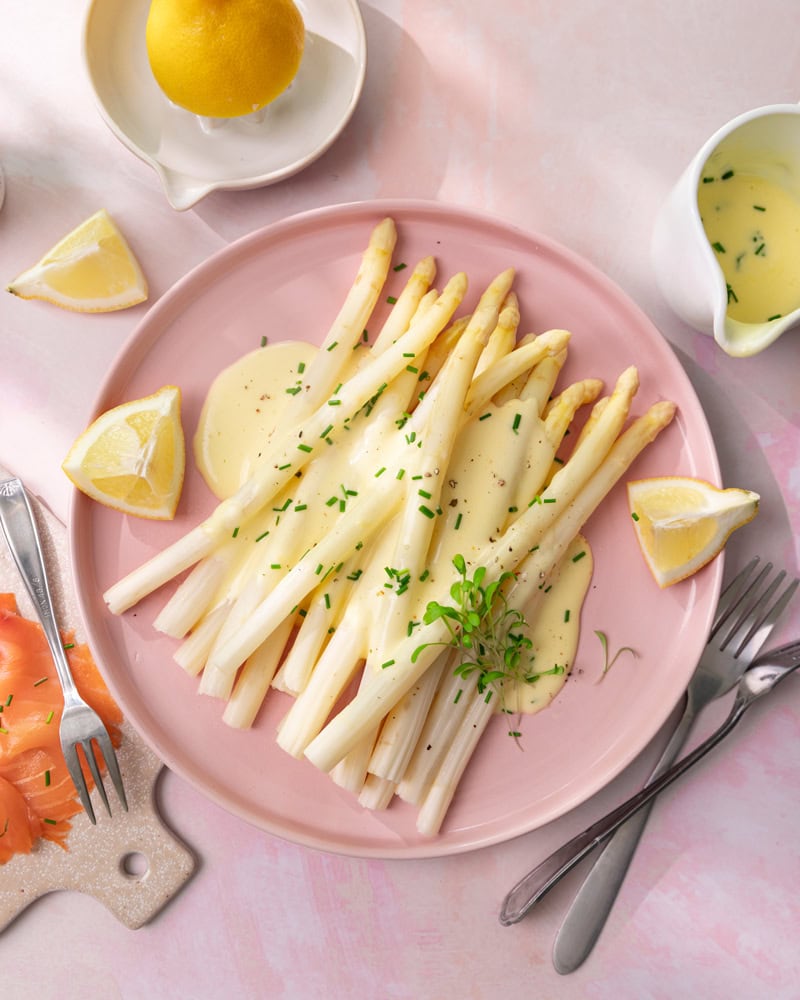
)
(361, 714)
(289, 456)
(528, 587)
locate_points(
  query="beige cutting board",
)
(130, 862)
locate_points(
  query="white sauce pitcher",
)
(765, 142)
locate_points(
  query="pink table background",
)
(570, 119)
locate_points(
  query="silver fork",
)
(745, 618)
(81, 726)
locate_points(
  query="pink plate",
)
(288, 281)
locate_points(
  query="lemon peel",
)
(226, 58)
(682, 523)
(132, 457)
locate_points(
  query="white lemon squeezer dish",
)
(194, 156)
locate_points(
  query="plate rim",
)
(171, 302)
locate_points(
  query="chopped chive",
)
(331, 501)
(286, 465)
(49, 717)
(759, 251)
(301, 506)
(69, 645)
(424, 377)
(274, 565)
(771, 318)
(635, 516)
(47, 778)
(400, 473)
(426, 511)
(380, 471)
(332, 346)
(355, 574)
(318, 570)
(458, 696)
(388, 663)
(293, 390)
(417, 476)
(3, 730)
(517, 422)
(727, 175)
(280, 510)
(457, 525)
(262, 535)
(327, 431)
(36, 684)
(485, 416)
(400, 267)
(409, 354)
(235, 532)
(301, 368)
(549, 500)
(263, 341)
(424, 494)
(424, 575)
(708, 180)
(334, 402)
(566, 616)
(515, 733)
(52, 822)
(305, 447)
(579, 555)
(391, 299)
(412, 369)
(759, 208)
(327, 599)
(513, 510)
(718, 247)
(9, 699)
(302, 612)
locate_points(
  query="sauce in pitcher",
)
(753, 226)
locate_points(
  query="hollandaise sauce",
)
(753, 226)
(491, 463)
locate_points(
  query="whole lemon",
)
(224, 58)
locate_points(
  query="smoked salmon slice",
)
(37, 797)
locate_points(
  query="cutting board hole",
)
(134, 864)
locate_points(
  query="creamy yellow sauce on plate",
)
(490, 464)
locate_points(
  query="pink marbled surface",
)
(571, 119)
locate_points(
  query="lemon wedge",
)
(683, 523)
(132, 457)
(91, 270)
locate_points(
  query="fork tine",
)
(88, 752)
(76, 773)
(110, 758)
(761, 628)
(731, 595)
